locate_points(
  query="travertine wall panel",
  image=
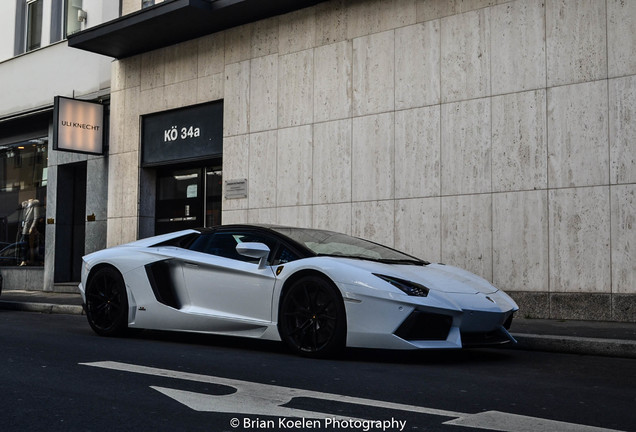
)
(417, 68)
(417, 152)
(181, 62)
(375, 16)
(466, 147)
(369, 220)
(418, 227)
(331, 22)
(580, 239)
(264, 93)
(153, 100)
(235, 217)
(236, 152)
(333, 81)
(465, 56)
(577, 135)
(236, 102)
(262, 215)
(576, 41)
(238, 44)
(211, 58)
(518, 46)
(294, 166)
(622, 133)
(262, 166)
(373, 157)
(519, 141)
(335, 217)
(373, 74)
(520, 240)
(153, 69)
(181, 94)
(210, 88)
(295, 89)
(466, 233)
(623, 201)
(332, 162)
(300, 216)
(117, 119)
(431, 9)
(297, 31)
(264, 37)
(621, 37)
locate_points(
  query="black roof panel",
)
(174, 21)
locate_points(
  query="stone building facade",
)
(498, 136)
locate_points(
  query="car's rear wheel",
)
(107, 302)
(312, 319)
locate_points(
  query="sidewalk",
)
(575, 337)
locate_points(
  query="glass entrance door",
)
(188, 198)
(213, 191)
(179, 204)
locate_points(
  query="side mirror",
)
(254, 250)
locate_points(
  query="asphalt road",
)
(57, 375)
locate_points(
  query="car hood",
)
(445, 278)
(437, 277)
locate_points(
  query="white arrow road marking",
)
(239, 403)
(501, 421)
(267, 399)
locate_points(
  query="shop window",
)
(23, 179)
(34, 24)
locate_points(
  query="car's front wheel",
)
(312, 318)
(107, 302)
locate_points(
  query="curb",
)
(48, 308)
(577, 345)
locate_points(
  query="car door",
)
(221, 282)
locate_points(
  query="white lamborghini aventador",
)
(318, 291)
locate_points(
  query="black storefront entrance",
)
(70, 225)
(184, 149)
(188, 198)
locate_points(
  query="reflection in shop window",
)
(23, 178)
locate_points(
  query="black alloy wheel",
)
(312, 318)
(107, 302)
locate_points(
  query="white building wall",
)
(32, 79)
(492, 135)
(7, 29)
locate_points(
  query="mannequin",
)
(30, 214)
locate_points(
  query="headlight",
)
(407, 287)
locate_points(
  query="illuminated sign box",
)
(78, 126)
(181, 135)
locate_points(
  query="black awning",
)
(174, 21)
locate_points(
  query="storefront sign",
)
(235, 189)
(78, 126)
(191, 133)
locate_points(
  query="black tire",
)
(107, 302)
(312, 319)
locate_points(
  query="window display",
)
(23, 178)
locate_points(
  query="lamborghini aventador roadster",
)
(317, 291)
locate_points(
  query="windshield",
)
(327, 243)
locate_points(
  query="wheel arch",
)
(97, 267)
(106, 323)
(289, 282)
